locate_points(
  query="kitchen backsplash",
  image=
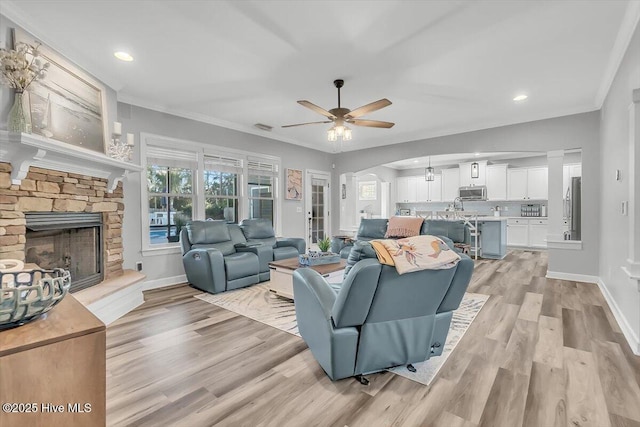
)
(484, 208)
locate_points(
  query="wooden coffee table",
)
(282, 274)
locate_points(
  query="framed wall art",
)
(68, 105)
(294, 184)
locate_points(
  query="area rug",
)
(257, 303)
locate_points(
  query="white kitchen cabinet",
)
(435, 189)
(422, 189)
(528, 183)
(497, 182)
(517, 184)
(517, 232)
(450, 184)
(538, 183)
(465, 174)
(414, 189)
(402, 184)
(538, 230)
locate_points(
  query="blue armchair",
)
(377, 319)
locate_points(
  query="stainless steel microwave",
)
(478, 192)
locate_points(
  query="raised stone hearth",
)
(44, 190)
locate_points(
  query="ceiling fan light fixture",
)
(332, 134)
(346, 136)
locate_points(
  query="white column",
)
(555, 162)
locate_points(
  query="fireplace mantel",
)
(23, 150)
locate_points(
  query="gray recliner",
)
(217, 257)
(377, 319)
(261, 231)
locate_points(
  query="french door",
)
(317, 207)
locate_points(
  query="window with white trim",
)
(262, 184)
(222, 177)
(170, 192)
(189, 180)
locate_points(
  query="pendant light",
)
(429, 174)
(475, 170)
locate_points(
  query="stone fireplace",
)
(62, 219)
(69, 240)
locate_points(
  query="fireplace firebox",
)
(72, 241)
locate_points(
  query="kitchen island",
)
(488, 233)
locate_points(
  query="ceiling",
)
(447, 66)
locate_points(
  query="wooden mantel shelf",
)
(23, 150)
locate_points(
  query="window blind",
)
(223, 164)
(262, 167)
(173, 158)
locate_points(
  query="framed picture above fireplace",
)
(68, 105)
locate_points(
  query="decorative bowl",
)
(26, 295)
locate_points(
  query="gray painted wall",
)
(614, 232)
(137, 119)
(568, 132)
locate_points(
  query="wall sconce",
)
(475, 170)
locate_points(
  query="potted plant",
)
(179, 221)
(324, 244)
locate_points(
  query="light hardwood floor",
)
(541, 352)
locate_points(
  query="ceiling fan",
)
(341, 116)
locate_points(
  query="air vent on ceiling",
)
(263, 127)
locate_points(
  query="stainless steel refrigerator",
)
(573, 203)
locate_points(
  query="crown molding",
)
(627, 28)
(203, 118)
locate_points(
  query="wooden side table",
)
(281, 282)
(58, 363)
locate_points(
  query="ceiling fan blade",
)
(308, 123)
(317, 109)
(381, 103)
(372, 123)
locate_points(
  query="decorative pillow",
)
(402, 226)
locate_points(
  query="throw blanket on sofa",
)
(415, 253)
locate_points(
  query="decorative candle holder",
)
(118, 148)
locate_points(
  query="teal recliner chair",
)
(377, 319)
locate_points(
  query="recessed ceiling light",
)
(521, 97)
(415, 161)
(477, 154)
(123, 56)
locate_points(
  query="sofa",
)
(377, 319)
(218, 257)
(451, 232)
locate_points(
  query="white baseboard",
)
(116, 305)
(572, 277)
(165, 281)
(627, 331)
